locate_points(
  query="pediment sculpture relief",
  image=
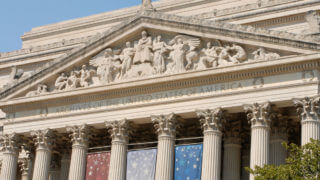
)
(153, 56)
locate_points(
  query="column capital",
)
(119, 130)
(10, 143)
(24, 165)
(211, 119)
(43, 139)
(308, 108)
(165, 124)
(79, 134)
(259, 115)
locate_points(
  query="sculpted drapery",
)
(152, 56)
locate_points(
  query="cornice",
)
(167, 83)
(216, 13)
(98, 43)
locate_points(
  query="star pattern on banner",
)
(98, 166)
(188, 161)
(141, 164)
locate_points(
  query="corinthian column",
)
(25, 167)
(43, 141)
(65, 165)
(212, 121)
(79, 138)
(166, 129)
(232, 154)
(118, 159)
(10, 144)
(259, 115)
(308, 108)
(278, 153)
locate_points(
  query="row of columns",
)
(259, 116)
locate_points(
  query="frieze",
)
(217, 89)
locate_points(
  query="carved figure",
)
(261, 54)
(239, 54)
(127, 61)
(147, 5)
(61, 82)
(210, 58)
(85, 76)
(224, 57)
(16, 73)
(159, 48)
(313, 19)
(41, 89)
(178, 55)
(104, 66)
(143, 50)
(73, 81)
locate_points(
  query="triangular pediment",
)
(154, 44)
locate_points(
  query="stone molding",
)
(10, 143)
(119, 130)
(259, 114)
(243, 32)
(238, 9)
(79, 135)
(43, 139)
(213, 76)
(211, 119)
(308, 108)
(165, 125)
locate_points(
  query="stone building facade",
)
(241, 77)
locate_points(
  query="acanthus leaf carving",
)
(165, 124)
(79, 134)
(119, 130)
(259, 114)
(10, 143)
(308, 108)
(211, 119)
(43, 139)
(150, 57)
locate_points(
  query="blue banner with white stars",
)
(188, 161)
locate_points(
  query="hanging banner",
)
(98, 166)
(188, 161)
(141, 164)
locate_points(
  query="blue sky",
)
(19, 16)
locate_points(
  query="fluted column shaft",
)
(165, 157)
(212, 122)
(9, 166)
(308, 109)
(42, 163)
(79, 137)
(211, 163)
(310, 129)
(259, 153)
(166, 129)
(245, 163)
(43, 140)
(65, 166)
(118, 160)
(78, 162)
(10, 157)
(278, 153)
(232, 159)
(259, 116)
